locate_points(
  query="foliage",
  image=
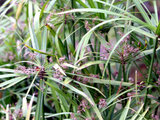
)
(79, 60)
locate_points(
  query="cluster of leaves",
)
(79, 60)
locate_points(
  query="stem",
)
(124, 79)
(150, 72)
(124, 75)
(110, 87)
(109, 72)
(72, 24)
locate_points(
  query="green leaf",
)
(30, 10)
(7, 70)
(59, 45)
(8, 75)
(94, 105)
(158, 29)
(29, 108)
(82, 3)
(137, 112)
(143, 114)
(69, 41)
(112, 82)
(142, 11)
(125, 111)
(42, 10)
(91, 3)
(50, 5)
(33, 38)
(84, 41)
(73, 89)
(39, 114)
(44, 40)
(12, 82)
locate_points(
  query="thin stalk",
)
(124, 74)
(109, 72)
(150, 72)
(110, 87)
(124, 79)
(73, 5)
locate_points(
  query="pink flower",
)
(102, 103)
(73, 116)
(83, 106)
(50, 60)
(87, 25)
(58, 75)
(61, 59)
(49, 17)
(18, 45)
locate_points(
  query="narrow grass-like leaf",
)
(30, 10)
(69, 41)
(137, 113)
(36, 21)
(61, 92)
(42, 10)
(8, 75)
(29, 108)
(87, 86)
(158, 29)
(44, 40)
(143, 114)
(39, 114)
(59, 45)
(33, 38)
(58, 114)
(112, 82)
(155, 10)
(73, 89)
(38, 51)
(125, 111)
(11, 82)
(142, 11)
(20, 5)
(7, 70)
(50, 5)
(91, 3)
(54, 89)
(94, 105)
(90, 63)
(84, 41)
(116, 47)
(24, 107)
(82, 3)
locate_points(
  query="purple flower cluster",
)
(102, 103)
(94, 76)
(155, 117)
(30, 55)
(49, 17)
(129, 50)
(83, 106)
(62, 61)
(58, 75)
(9, 56)
(73, 116)
(24, 70)
(104, 52)
(158, 82)
(87, 25)
(122, 53)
